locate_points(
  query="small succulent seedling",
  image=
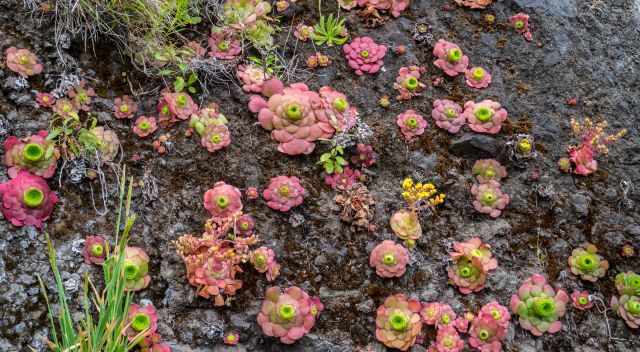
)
(333, 161)
(330, 31)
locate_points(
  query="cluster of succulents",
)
(248, 19)
(593, 141)
(488, 196)
(486, 116)
(297, 117)
(405, 223)
(400, 320)
(289, 314)
(627, 305)
(538, 306)
(211, 126)
(394, 7)
(214, 259)
(472, 262)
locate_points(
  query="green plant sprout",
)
(333, 161)
(330, 31)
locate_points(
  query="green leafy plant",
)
(333, 161)
(270, 63)
(180, 83)
(330, 31)
(72, 136)
(111, 305)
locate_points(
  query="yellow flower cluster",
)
(595, 132)
(415, 192)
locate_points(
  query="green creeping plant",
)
(332, 161)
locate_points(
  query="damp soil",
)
(586, 50)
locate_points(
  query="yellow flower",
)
(407, 183)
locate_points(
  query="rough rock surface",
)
(587, 49)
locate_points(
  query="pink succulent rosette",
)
(408, 82)
(477, 77)
(406, 225)
(538, 306)
(95, 250)
(223, 200)
(628, 308)
(27, 200)
(582, 157)
(581, 300)
(344, 180)
(45, 100)
(243, 14)
(65, 108)
(286, 315)
(450, 58)
(215, 137)
(497, 312)
(141, 321)
(398, 322)
(231, 338)
(586, 263)
(461, 324)
(411, 124)
(81, 95)
(224, 45)
(124, 107)
(486, 170)
(252, 193)
(520, 23)
(264, 261)
(136, 269)
(448, 115)
(145, 126)
(489, 198)
(486, 334)
(364, 55)
(244, 225)
(284, 193)
(347, 4)
(340, 114)
(486, 116)
(109, 142)
(365, 156)
(181, 105)
(430, 312)
(474, 4)
(23, 62)
(34, 153)
(467, 273)
(395, 7)
(447, 340)
(303, 32)
(252, 78)
(389, 259)
(214, 277)
(296, 117)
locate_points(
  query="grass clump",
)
(106, 311)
